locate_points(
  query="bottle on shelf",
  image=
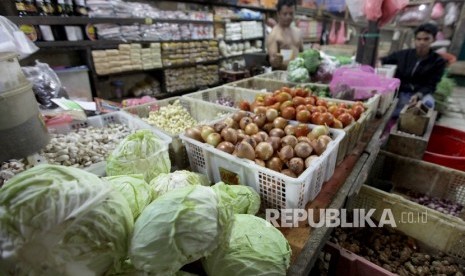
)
(73, 33)
(59, 31)
(80, 8)
(45, 8)
(27, 8)
(69, 7)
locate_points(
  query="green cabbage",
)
(178, 228)
(243, 198)
(140, 152)
(298, 75)
(312, 60)
(255, 248)
(296, 64)
(166, 182)
(136, 191)
(57, 220)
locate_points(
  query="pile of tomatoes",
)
(300, 105)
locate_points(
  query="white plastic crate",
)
(387, 70)
(261, 85)
(236, 94)
(275, 75)
(276, 190)
(102, 121)
(202, 112)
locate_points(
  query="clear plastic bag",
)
(45, 84)
(14, 40)
(356, 9)
(452, 13)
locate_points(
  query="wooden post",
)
(367, 48)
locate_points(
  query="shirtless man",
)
(284, 36)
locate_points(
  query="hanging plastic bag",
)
(341, 34)
(356, 9)
(390, 8)
(452, 13)
(14, 40)
(438, 11)
(373, 9)
(335, 5)
(332, 33)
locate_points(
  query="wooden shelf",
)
(76, 20)
(242, 40)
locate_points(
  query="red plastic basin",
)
(446, 147)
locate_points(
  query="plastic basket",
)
(202, 112)
(275, 75)
(434, 229)
(101, 122)
(387, 70)
(234, 93)
(262, 85)
(446, 147)
(276, 190)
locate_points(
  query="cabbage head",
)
(312, 60)
(134, 188)
(298, 75)
(243, 198)
(296, 64)
(141, 152)
(178, 228)
(166, 182)
(57, 220)
(255, 248)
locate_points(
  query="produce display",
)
(299, 104)
(444, 206)
(395, 252)
(173, 118)
(267, 139)
(139, 153)
(11, 168)
(69, 221)
(127, 57)
(262, 251)
(166, 182)
(84, 146)
(312, 65)
(178, 53)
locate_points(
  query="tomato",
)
(339, 111)
(358, 110)
(321, 102)
(309, 100)
(332, 109)
(244, 105)
(301, 130)
(327, 118)
(300, 107)
(301, 92)
(346, 119)
(288, 113)
(293, 92)
(286, 89)
(297, 100)
(303, 116)
(285, 104)
(315, 117)
(269, 100)
(283, 96)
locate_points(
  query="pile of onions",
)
(267, 139)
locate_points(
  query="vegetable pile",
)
(444, 206)
(394, 252)
(85, 146)
(267, 139)
(173, 118)
(299, 104)
(11, 168)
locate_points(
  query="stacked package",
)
(191, 78)
(233, 31)
(127, 57)
(180, 79)
(236, 49)
(206, 75)
(251, 29)
(179, 53)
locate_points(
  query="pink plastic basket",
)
(364, 81)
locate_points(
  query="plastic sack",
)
(45, 84)
(332, 33)
(341, 34)
(14, 40)
(335, 5)
(438, 11)
(372, 9)
(356, 9)
(452, 14)
(389, 9)
(412, 14)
